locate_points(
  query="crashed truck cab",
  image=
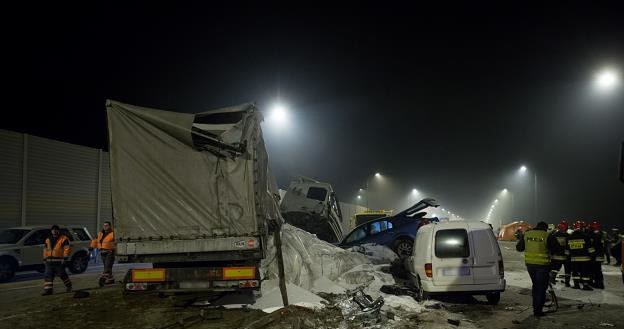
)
(193, 195)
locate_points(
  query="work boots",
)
(68, 289)
(46, 292)
(587, 287)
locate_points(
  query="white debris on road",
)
(377, 254)
(367, 275)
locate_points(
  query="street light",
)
(523, 170)
(606, 80)
(279, 114)
(368, 193)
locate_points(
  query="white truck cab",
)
(457, 257)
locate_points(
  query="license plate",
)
(459, 271)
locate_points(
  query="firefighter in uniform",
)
(557, 242)
(537, 259)
(598, 242)
(55, 254)
(580, 250)
(105, 241)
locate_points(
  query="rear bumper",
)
(193, 279)
(475, 289)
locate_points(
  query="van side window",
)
(452, 243)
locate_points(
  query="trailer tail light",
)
(238, 273)
(148, 275)
(428, 270)
(248, 283)
(501, 268)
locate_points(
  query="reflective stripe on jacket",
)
(536, 249)
(59, 251)
(104, 241)
(579, 247)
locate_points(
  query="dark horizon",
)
(449, 102)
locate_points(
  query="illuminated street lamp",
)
(606, 80)
(522, 171)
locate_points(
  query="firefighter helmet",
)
(563, 225)
(595, 225)
(579, 224)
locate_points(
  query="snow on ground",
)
(520, 278)
(271, 299)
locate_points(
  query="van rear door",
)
(452, 257)
(486, 256)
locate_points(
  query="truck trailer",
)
(193, 195)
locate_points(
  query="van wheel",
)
(493, 298)
(79, 263)
(404, 247)
(7, 269)
(422, 294)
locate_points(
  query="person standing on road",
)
(580, 250)
(55, 254)
(537, 260)
(105, 241)
(598, 242)
(557, 242)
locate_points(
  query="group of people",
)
(581, 254)
(56, 252)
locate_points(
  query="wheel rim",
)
(78, 263)
(404, 248)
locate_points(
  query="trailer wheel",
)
(7, 269)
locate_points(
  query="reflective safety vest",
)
(536, 248)
(57, 252)
(105, 241)
(579, 247)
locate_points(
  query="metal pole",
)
(277, 240)
(24, 179)
(535, 194)
(367, 194)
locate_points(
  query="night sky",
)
(450, 100)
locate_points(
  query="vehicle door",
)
(380, 232)
(452, 258)
(486, 256)
(32, 250)
(355, 237)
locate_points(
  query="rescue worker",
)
(557, 242)
(580, 250)
(537, 259)
(598, 242)
(105, 241)
(55, 253)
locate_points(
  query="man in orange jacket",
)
(105, 241)
(55, 254)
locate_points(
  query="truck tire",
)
(78, 263)
(7, 269)
(403, 247)
(493, 298)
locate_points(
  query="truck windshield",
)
(12, 236)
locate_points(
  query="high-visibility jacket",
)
(56, 249)
(557, 242)
(104, 240)
(536, 247)
(579, 247)
(598, 243)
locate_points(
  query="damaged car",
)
(397, 232)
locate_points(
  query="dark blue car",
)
(396, 232)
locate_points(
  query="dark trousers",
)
(53, 269)
(555, 266)
(581, 272)
(539, 277)
(597, 278)
(108, 258)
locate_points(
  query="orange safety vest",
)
(104, 242)
(60, 250)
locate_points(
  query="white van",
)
(457, 257)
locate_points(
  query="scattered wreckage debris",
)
(206, 314)
(453, 322)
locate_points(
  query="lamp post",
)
(523, 170)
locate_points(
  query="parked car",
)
(21, 249)
(457, 257)
(397, 232)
